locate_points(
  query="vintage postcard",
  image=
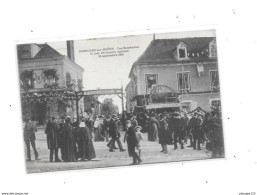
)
(119, 101)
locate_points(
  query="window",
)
(181, 51)
(212, 51)
(183, 82)
(68, 79)
(214, 77)
(151, 81)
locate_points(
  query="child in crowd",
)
(139, 139)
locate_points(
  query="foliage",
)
(27, 79)
(51, 72)
(108, 107)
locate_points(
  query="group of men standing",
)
(73, 139)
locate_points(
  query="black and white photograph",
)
(128, 97)
(120, 101)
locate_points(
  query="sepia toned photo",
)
(120, 101)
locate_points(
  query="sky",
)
(112, 72)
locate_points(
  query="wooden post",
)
(77, 105)
(123, 114)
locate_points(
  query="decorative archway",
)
(162, 94)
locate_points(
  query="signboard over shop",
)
(102, 92)
(162, 105)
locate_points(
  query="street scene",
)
(120, 101)
(151, 154)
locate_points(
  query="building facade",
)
(47, 82)
(187, 67)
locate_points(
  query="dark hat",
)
(128, 121)
(130, 115)
(175, 114)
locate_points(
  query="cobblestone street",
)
(150, 154)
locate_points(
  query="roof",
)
(161, 51)
(47, 52)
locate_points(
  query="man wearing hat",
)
(133, 120)
(29, 137)
(177, 125)
(114, 134)
(61, 137)
(132, 143)
(163, 133)
(51, 132)
(194, 126)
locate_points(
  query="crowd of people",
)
(200, 128)
(74, 139)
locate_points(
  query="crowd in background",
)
(200, 128)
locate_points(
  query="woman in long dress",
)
(98, 128)
(86, 144)
(153, 129)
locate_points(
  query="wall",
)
(167, 75)
(203, 100)
(75, 71)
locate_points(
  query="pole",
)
(77, 105)
(122, 106)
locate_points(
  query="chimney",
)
(153, 36)
(70, 50)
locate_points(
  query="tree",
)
(108, 107)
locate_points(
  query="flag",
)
(200, 69)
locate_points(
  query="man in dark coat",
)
(29, 138)
(69, 141)
(132, 142)
(194, 125)
(114, 134)
(61, 136)
(77, 140)
(163, 133)
(51, 132)
(177, 131)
